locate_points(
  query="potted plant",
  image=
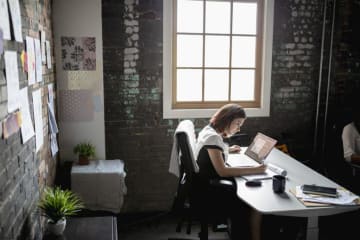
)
(56, 204)
(85, 151)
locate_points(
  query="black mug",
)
(279, 183)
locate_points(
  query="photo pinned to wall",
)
(76, 105)
(16, 19)
(78, 53)
(39, 136)
(30, 48)
(43, 47)
(11, 124)
(12, 76)
(48, 54)
(4, 16)
(27, 129)
(38, 63)
(98, 104)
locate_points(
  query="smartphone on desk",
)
(319, 190)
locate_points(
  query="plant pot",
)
(83, 160)
(56, 228)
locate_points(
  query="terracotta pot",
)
(56, 228)
(83, 160)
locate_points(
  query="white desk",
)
(101, 184)
(264, 200)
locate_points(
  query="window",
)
(216, 52)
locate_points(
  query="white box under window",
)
(101, 184)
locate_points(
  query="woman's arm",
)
(224, 171)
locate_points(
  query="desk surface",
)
(264, 200)
(89, 228)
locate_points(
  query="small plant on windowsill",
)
(85, 152)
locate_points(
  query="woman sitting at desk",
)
(211, 153)
(351, 139)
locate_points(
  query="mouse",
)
(253, 183)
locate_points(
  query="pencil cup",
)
(279, 183)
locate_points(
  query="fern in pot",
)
(56, 204)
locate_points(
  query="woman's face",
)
(234, 126)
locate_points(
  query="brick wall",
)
(23, 173)
(135, 130)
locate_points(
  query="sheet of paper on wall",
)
(1, 129)
(1, 42)
(78, 53)
(4, 16)
(30, 48)
(52, 120)
(51, 95)
(11, 124)
(23, 60)
(53, 144)
(12, 79)
(38, 119)
(76, 105)
(43, 47)
(16, 19)
(48, 54)
(38, 63)
(27, 128)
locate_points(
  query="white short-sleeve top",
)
(351, 141)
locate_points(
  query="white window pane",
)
(242, 85)
(190, 16)
(189, 50)
(189, 83)
(217, 17)
(216, 85)
(243, 52)
(244, 18)
(217, 51)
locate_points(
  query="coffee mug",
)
(279, 183)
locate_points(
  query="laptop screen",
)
(260, 147)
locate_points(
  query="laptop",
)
(254, 155)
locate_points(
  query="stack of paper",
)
(344, 197)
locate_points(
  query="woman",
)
(211, 153)
(351, 139)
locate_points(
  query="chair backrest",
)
(185, 136)
(185, 141)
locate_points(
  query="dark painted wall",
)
(135, 130)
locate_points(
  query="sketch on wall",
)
(78, 53)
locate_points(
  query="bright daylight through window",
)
(215, 54)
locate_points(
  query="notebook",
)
(254, 155)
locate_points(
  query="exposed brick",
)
(18, 164)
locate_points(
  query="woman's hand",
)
(259, 169)
(234, 149)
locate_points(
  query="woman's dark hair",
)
(225, 115)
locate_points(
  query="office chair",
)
(188, 201)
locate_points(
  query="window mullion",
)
(203, 56)
(230, 49)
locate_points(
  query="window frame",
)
(187, 109)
